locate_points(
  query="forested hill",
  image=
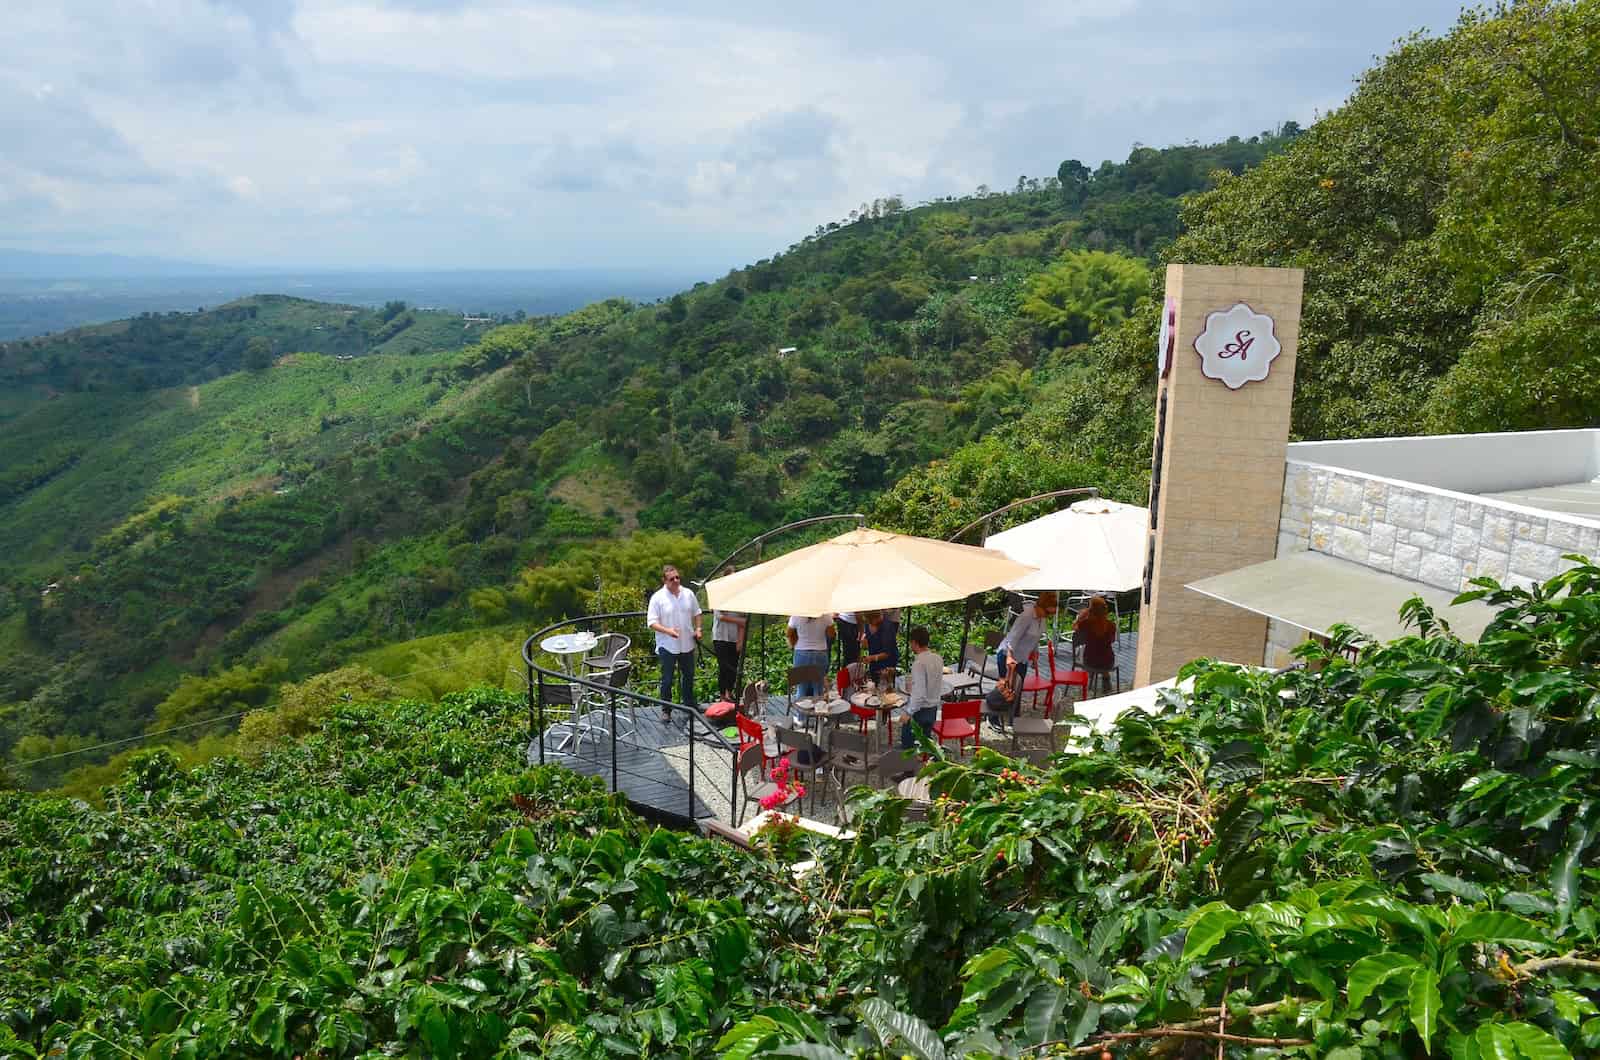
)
(271, 523)
(155, 350)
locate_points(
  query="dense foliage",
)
(1369, 858)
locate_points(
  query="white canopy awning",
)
(1096, 544)
(1314, 591)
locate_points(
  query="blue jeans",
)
(924, 720)
(819, 659)
(684, 664)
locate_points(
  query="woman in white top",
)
(809, 639)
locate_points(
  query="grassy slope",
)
(241, 434)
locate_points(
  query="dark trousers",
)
(923, 720)
(849, 642)
(684, 664)
(727, 668)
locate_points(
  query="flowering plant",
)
(784, 790)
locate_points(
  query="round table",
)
(820, 708)
(882, 703)
(914, 789)
(568, 645)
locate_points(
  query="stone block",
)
(1493, 564)
(1321, 535)
(1440, 569)
(1562, 535)
(1407, 509)
(1344, 495)
(1383, 561)
(1497, 530)
(1350, 544)
(1531, 559)
(1299, 485)
(1464, 543)
(1375, 494)
(1384, 536)
(1531, 530)
(1589, 541)
(1288, 543)
(1441, 513)
(1407, 560)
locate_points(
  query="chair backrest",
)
(795, 740)
(749, 758)
(974, 659)
(749, 728)
(961, 709)
(754, 693)
(610, 649)
(841, 680)
(560, 695)
(800, 675)
(617, 677)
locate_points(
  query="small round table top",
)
(569, 643)
(822, 707)
(914, 789)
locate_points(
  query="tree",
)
(258, 354)
(1085, 292)
(1074, 177)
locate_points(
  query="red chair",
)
(750, 736)
(1037, 682)
(1064, 679)
(863, 714)
(959, 721)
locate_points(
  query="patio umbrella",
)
(863, 570)
(1095, 544)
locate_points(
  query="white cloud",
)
(503, 133)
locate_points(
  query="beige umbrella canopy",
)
(863, 570)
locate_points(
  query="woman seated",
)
(1096, 633)
(878, 648)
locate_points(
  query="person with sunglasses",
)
(674, 615)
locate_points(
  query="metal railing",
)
(723, 768)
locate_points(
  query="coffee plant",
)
(1389, 855)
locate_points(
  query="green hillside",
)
(158, 350)
(279, 521)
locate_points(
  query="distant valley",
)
(45, 293)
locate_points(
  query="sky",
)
(445, 134)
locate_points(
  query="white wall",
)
(1466, 463)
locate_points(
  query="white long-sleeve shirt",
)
(926, 683)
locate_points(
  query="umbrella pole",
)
(966, 626)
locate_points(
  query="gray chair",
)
(594, 710)
(750, 761)
(802, 675)
(847, 754)
(560, 717)
(798, 744)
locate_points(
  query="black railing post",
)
(733, 788)
(539, 735)
(691, 767)
(613, 741)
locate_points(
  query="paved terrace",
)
(652, 768)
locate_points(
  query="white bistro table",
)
(568, 646)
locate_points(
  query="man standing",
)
(849, 637)
(727, 641)
(923, 690)
(809, 639)
(674, 614)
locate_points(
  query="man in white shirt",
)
(923, 689)
(674, 614)
(809, 639)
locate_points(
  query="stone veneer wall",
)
(1430, 535)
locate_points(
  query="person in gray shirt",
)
(924, 687)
